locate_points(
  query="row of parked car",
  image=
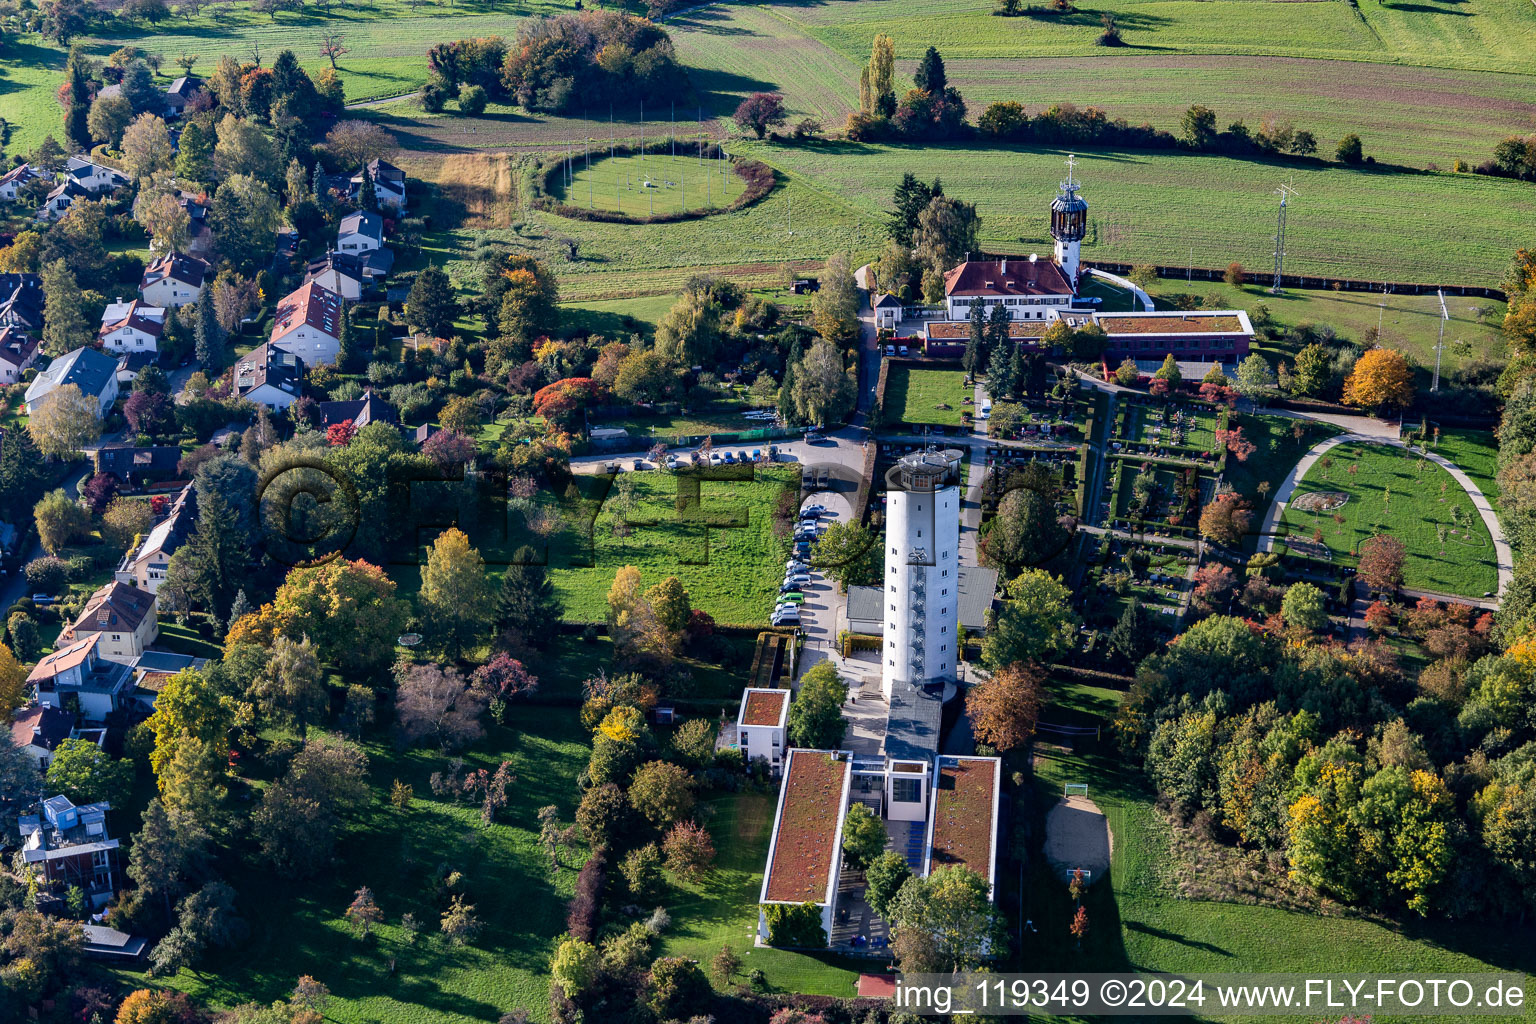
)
(797, 571)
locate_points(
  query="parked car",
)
(728, 457)
(792, 597)
(773, 452)
(799, 577)
(795, 565)
(813, 510)
(42, 599)
(812, 437)
(785, 618)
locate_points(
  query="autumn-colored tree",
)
(1079, 926)
(1378, 617)
(1003, 709)
(1238, 446)
(1381, 378)
(348, 608)
(364, 913)
(1381, 562)
(13, 684)
(339, 435)
(456, 598)
(689, 850)
(1226, 519)
(561, 403)
(1214, 583)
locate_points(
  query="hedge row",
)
(758, 176)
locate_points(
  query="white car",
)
(784, 619)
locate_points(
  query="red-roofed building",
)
(760, 724)
(1030, 288)
(308, 324)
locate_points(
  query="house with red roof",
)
(308, 324)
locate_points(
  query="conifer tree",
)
(210, 336)
(194, 154)
(367, 196)
(78, 109)
(64, 324)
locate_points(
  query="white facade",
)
(761, 724)
(170, 293)
(921, 580)
(345, 285)
(310, 344)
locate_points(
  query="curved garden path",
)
(1504, 558)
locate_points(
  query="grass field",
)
(644, 185)
(722, 908)
(1476, 453)
(1393, 491)
(1139, 923)
(1408, 323)
(723, 549)
(918, 395)
(297, 926)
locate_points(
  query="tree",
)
(1381, 378)
(166, 854)
(78, 87)
(354, 142)
(689, 333)
(347, 607)
(725, 965)
(527, 602)
(190, 758)
(212, 565)
(459, 922)
(877, 94)
(1350, 150)
(863, 836)
(689, 851)
(661, 792)
(1003, 709)
(835, 305)
(456, 597)
(19, 784)
(849, 553)
(603, 813)
(953, 908)
(108, 119)
(472, 99)
(823, 392)
(244, 220)
(1255, 379)
(85, 773)
(946, 231)
(60, 519)
(1169, 372)
(1025, 532)
(1035, 622)
(1381, 562)
(645, 377)
(331, 47)
(1198, 126)
(930, 75)
(1313, 371)
(431, 307)
(677, 989)
(668, 611)
(760, 112)
(194, 154)
(14, 691)
(291, 686)
(64, 324)
(1215, 583)
(363, 912)
(209, 347)
(1304, 607)
(1234, 274)
(884, 878)
(1226, 519)
(816, 714)
(575, 967)
(147, 147)
(440, 703)
(300, 816)
(911, 198)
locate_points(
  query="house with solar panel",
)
(308, 324)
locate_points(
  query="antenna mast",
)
(1440, 345)
(1284, 192)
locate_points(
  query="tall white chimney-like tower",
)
(922, 566)
(1069, 225)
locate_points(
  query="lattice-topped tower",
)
(1069, 223)
(922, 568)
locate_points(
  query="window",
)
(893, 588)
(743, 739)
(944, 592)
(893, 663)
(906, 791)
(943, 647)
(943, 629)
(943, 572)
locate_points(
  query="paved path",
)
(1504, 557)
(1141, 295)
(1362, 426)
(366, 104)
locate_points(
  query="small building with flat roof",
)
(761, 724)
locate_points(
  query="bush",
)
(581, 915)
(791, 924)
(472, 100)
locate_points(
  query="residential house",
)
(361, 411)
(351, 274)
(135, 466)
(152, 670)
(37, 730)
(761, 722)
(95, 178)
(132, 326)
(128, 366)
(360, 231)
(13, 180)
(174, 280)
(21, 301)
(91, 370)
(122, 616)
(269, 376)
(388, 185)
(18, 351)
(887, 312)
(67, 847)
(81, 681)
(106, 943)
(308, 324)
(199, 233)
(145, 565)
(179, 94)
(63, 196)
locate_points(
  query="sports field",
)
(1391, 490)
(648, 184)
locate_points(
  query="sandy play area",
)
(1077, 836)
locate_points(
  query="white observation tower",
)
(1069, 225)
(922, 560)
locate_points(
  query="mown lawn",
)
(1476, 453)
(722, 547)
(721, 909)
(651, 184)
(297, 925)
(1395, 492)
(1138, 923)
(1279, 442)
(927, 396)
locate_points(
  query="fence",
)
(1308, 281)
